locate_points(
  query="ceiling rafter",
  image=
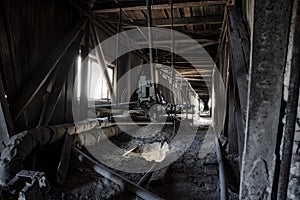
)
(140, 5)
(165, 22)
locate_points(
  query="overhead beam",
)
(156, 5)
(197, 80)
(186, 64)
(189, 49)
(179, 41)
(197, 75)
(195, 71)
(180, 21)
(106, 28)
(200, 90)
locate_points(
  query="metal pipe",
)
(223, 186)
(113, 176)
(291, 113)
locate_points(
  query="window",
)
(97, 88)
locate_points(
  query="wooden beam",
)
(211, 34)
(200, 86)
(84, 74)
(6, 125)
(186, 64)
(101, 59)
(62, 75)
(189, 49)
(156, 6)
(200, 90)
(63, 164)
(40, 76)
(194, 71)
(180, 41)
(7, 57)
(180, 21)
(197, 75)
(10, 83)
(197, 80)
(240, 54)
(240, 50)
(106, 28)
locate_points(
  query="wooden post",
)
(66, 65)
(101, 60)
(150, 40)
(60, 79)
(84, 88)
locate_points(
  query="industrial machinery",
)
(27, 185)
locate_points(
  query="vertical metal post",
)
(84, 90)
(118, 59)
(172, 50)
(149, 20)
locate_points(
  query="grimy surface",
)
(193, 176)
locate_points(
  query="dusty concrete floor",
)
(189, 178)
(193, 176)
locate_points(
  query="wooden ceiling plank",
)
(178, 21)
(187, 13)
(161, 6)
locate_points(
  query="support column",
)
(269, 33)
(4, 132)
(152, 70)
(6, 124)
(84, 75)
